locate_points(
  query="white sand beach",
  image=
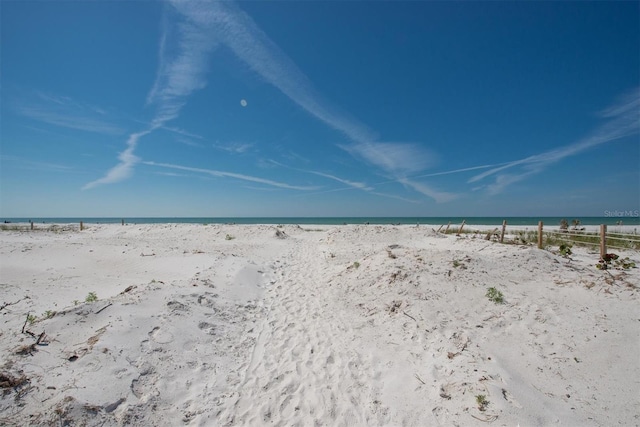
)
(357, 325)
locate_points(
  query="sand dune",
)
(315, 326)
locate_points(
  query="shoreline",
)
(611, 220)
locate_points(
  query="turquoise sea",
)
(627, 218)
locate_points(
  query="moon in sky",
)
(243, 102)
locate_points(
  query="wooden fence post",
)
(460, 229)
(603, 240)
(447, 229)
(123, 222)
(504, 227)
(81, 226)
(491, 233)
(540, 235)
(31, 224)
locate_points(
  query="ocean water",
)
(608, 220)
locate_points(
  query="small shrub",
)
(565, 250)
(229, 237)
(625, 264)
(76, 302)
(49, 314)
(356, 264)
(564, 225)
(31, 319)
(91, 297)
(482, 402)
(495, 295)
(613, 260)
(605, 261)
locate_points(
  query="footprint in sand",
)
(161, 336)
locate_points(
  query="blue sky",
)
(319, 108)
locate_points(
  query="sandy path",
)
(304, 367)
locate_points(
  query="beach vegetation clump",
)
(31, 319)
(356, 264)
(625, 263)
(91, 297)
(565, 249)
(229, 237)
(605, 261)
(613, 260)
(460, 264)
(495, 295)
(482, 402)
(564, 225)
(49, 314)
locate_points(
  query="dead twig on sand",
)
(25, 325)
(39, 339)
(108, 305)
(409, 316)
(7, 304)
(419, 379)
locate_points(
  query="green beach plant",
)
(614, 260)
(229, 237)
(482, 402)
(91, 297)
(625, 263)
(605, 261)
(495, 295)
(565, 249)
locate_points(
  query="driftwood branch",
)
(7, 304)
(108, 305)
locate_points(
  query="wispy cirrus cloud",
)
(30, 164)
(233, 147)
(623, 120)
(182, 132)
(180, 73)
(438, 196)
(396, 158)
(224, 174)
(204, 25)
(124, 169)
(66, 112)
(237, 31)
(354, 184)
(349, 183)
